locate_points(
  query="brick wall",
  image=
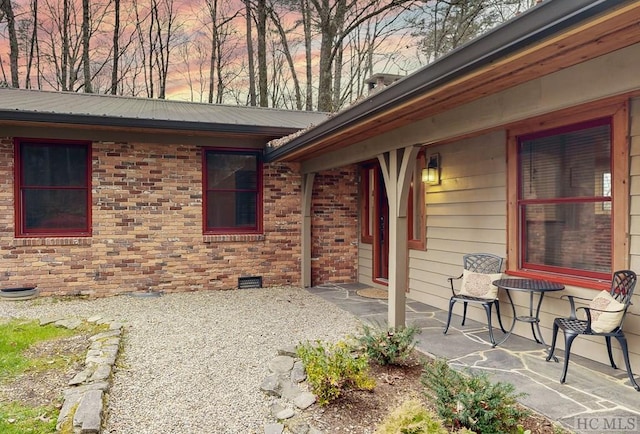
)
(147, 229)
(334, 230)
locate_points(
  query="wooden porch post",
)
(397, 169)
(305, 266)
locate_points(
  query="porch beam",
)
(305, 242)
(397, 169)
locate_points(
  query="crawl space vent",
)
(250, 282)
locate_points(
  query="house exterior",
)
(104, 195)
(533, 132)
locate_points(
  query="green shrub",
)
(472, 401)
(390, 346)
(412, 417)
(332, 368)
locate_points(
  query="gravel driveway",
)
(193, 362)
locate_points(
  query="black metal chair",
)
(483, 263)
(622, 285)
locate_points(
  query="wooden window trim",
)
(19, 230)
(417, 243)
(618, 111)
(258, 228)
(366, 236)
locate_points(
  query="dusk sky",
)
(191, 44)
(394, 49)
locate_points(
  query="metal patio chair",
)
(622, 285)
(475, 265)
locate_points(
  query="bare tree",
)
(252, 80)
(286, 51)
(155, 28)
(336, 20)
(221, 14)
(306, 24)
(261, 30)
(6, 13)
(116, 47)
(377, 46)
(33, 48)
(444, 25)
(86, 32)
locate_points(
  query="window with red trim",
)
(233, 191)
(564, 200)
(53, 194)
(369, 179)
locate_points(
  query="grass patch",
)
(29, 354)
(18, 336)
(18, 419)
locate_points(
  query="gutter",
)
(546, 19)
(121, 122)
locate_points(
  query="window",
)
(416, 207)
(233, 191)
(564, 200)
(369, 179)
(53, 194)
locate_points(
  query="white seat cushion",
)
(479, 285)
(604, 322)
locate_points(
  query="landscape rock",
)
(273, 428)
(304, 400)
(271, 385)
(281, 364)
(87, 387)
(287, 413)
(298, 375)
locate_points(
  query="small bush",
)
(332, 368)
(412, 417)
(472, 401)
(387, 347)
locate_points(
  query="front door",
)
(381, 232)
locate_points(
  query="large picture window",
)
(53, 194)
(564, 200)
(233, 191)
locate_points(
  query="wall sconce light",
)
(431, 174)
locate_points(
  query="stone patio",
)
(595, 398)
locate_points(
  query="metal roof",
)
(546, 19)
(128, 112)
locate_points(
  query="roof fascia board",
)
(540, 22)
(121, 122)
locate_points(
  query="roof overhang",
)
(100, 114)
(549, 37)
(140, 125)
(101, 125)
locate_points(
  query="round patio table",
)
(532, 286)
